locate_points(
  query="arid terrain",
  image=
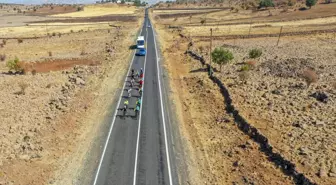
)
(65, 76)
(256, 121)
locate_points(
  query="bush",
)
(71, 31)
(4, 42)
(19, 41)
(310, 3)
(203, 21)
(309, 76)
(266, 3)
(23, 86)
(79, 9)
(59, 34)
(255, 53)
(50, 54)
(14, 65)
(53, 34)
(221, 56)
(2, 57)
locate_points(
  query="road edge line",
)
(162, 112)
(114, 117)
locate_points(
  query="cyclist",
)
(137, 74)
(140, 83)
(140, 92)
(138, 102)
(129, 92)
(132, 82)
(132, 72)
(125, 107)
(125, 104)
(136, 110)
(141, 73)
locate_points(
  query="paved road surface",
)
(138, 149)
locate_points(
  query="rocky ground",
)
(299, 121)
(216, 151)
(49, 120)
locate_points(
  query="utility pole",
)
(279, 36)
(210, 68)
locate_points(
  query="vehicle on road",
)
(148, 26)
(141, 42)
(141, 52)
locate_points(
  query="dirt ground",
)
(49, 119)
(272, 97)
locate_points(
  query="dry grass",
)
(97, 10)
(23, 86)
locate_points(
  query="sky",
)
(52, 1)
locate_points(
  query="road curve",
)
(138, 150)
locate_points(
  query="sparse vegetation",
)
(255, 53)
(20, 40)
(310, 77)
(23, 86)
(244, 75)
(2, 57)
(245, 67)
(14, 65)
(221, 56)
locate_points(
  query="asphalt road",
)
(138, 150)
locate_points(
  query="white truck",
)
(141, 42)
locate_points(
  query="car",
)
(148, 26)
(141, 52)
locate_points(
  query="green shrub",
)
(221, 56)
(14, 65)
(255, 53)
(266, 3)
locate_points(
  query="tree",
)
(310, 3)
(221, 56)
(122, 1)
(266, 3)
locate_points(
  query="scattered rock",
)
(322, 172)
(320, 96)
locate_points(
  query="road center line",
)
(143, 92)
(162, 112)
(114, 117)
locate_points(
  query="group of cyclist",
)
(139, 76)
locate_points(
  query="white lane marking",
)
(114, 117)
(138, 137)
(162, 112)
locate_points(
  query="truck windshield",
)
(141, 42)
